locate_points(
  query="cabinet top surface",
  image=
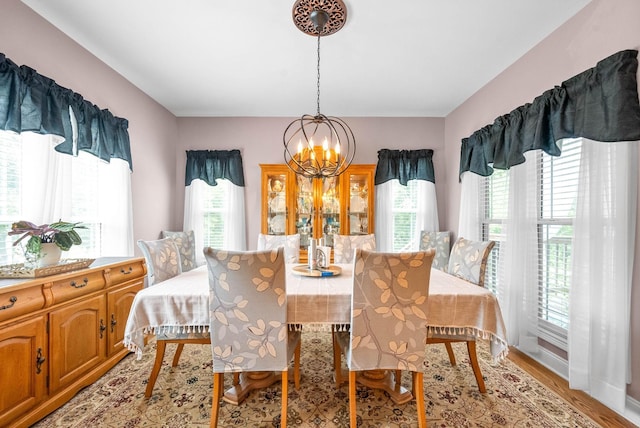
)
(99, 263)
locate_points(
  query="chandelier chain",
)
(318, 82)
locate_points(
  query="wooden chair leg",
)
(236, 379)
(352, 400)
(176, 356)
(160, 347)
(285, 398)
(218, 387)
(473, 357)
(452, 357)
(398, 380)
(296, 365)
(418, 392)
(337, 360)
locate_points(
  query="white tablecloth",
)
(181, 304)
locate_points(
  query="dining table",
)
(181, 305)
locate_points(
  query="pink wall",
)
(27, 39)
(260, 140)
(602, 28)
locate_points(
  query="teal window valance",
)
(599, 104)
(32, 102)
(404, 165)
(209, 165)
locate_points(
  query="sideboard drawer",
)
(77, 286)
(126, 272)
(20, 302)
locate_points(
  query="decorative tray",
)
(19, 270)
(328, 271)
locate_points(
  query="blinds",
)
(494, 200)
(558, 190)
(405, 207)
(215, 206)
(10, 170)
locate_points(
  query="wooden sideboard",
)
(60, 333)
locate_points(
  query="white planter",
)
(49, 254)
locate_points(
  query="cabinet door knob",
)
(124, 272)
(102, 328)
(39, 361)
(113, 322)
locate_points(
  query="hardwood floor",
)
(587, 405)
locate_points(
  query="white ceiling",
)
(247, 58)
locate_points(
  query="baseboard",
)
(560, 367)
(632, 410)
(551, 361)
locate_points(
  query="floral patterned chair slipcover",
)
(439, 241)
(468, 260)
(163, 262)
(162, 258)
(291, 244)
(186, 243)
(343, 246)
(248, 312)
(388, 319)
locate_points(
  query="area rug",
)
(182, 396)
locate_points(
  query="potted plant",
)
(46, 241)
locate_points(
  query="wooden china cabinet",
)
(317, 208)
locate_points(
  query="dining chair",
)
(343, 246)
(468, 260)
(291, 245)
(388, 320)
(439, 241)
(186, 243)
(248, 319)
(163, 262)
(343, 250)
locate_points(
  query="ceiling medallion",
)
(302, 12)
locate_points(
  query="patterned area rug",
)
(182, 396)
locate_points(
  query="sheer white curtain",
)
(235, 220)
(195, 202)
(470, 214)
(194, 198)
(384, 216)
(518, 258)
(426, 211)
(58, 186)
(603, 243)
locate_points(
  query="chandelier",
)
(319, 146)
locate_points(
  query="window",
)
(494, 200)
(216, 215)
(556, 186)
(404, 212)
(10, 168)
(40, 185)
(215, 209)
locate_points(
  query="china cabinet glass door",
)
(329, 208)
(276, 204)
(359, 200)
(305, 210)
